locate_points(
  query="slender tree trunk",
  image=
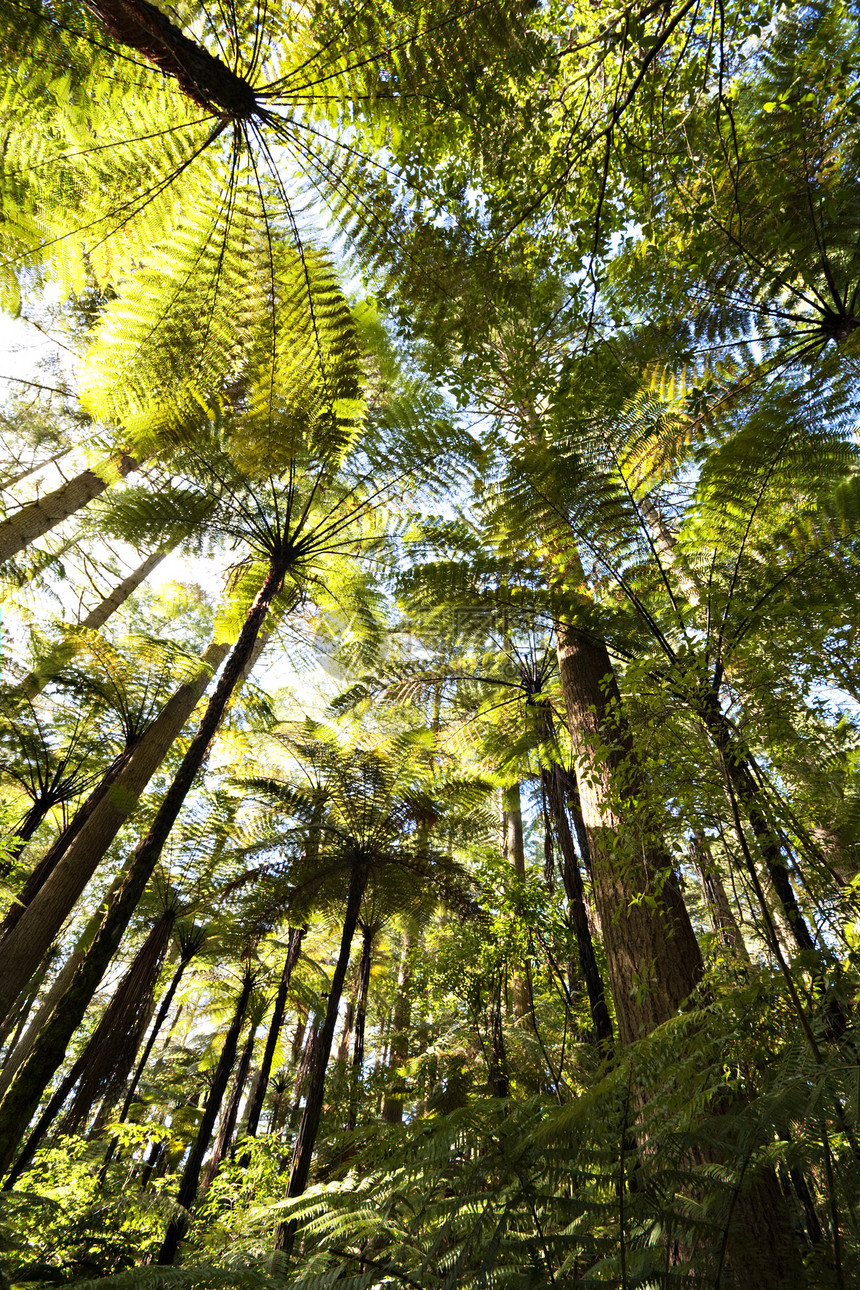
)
(27, 471)
(392, 1106)
(360, 1019)
(37, 518)
(24, 944)
(36, 681)
(18, 1020)
(25, 831)
(110, 1049)
(346, 1033)
(98, 616)
(723, 921)
(293, 950)
(48, 1051)
(303, 1071)
(577, 912)
(306, 1138)
(187, 1193)
(498, 1059)
(231, 1112)
(163, 1009)
(512, 822)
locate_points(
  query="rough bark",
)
(38, 518)
(186, 955)
(259, 1094)
(654, 960)
(58, 988)
(24, 944)
(231, 1113)
(360, 1019)
(188, 1185)
(110, 1049)
(651, 950)
(202, 77)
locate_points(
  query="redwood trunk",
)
(651, 950)
(58, 988)
(654, 960)
(110, 1049)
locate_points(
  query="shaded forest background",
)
(429, 730)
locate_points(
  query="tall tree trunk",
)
(303, 1069)
(346, 1033)
(555, 780)
(113, 1046)
(498, 1056)
(723, 921)
(37, 518)
(39, 922)
(58, 988)
(392, 1106)
(187, 1193)
(56, 660)
(293, 949)
(48, 1051)
(651, 950)
(231, 1112)
(17, 1020)
(512, 821)
(360, 1019)
(306, 1137)
(110, 1049)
